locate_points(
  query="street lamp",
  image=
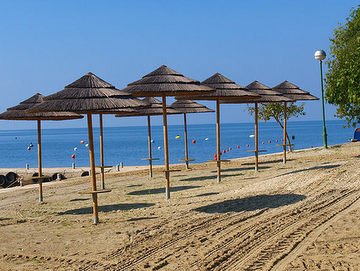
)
(321, 55)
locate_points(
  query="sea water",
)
(129, 144)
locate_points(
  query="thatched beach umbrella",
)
(18, 113)
(293, 92)
(89, 95)
(267, 96)
(165, 82)
(154, 109)
(188, 106)
(225, 90)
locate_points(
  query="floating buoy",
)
(152, 141)
(282, 139)
(311, 146)
(73, 156)
(75, 149)
(269, 141)
(82, 141)
(223, 151)
(159, 148)
(230, 148)
(31, 145)
(177, 137)
(293, 137)
(277, 140)
(238, 146)
(251, 136)
(194, 141)
(206, 139)
(86, 145)
(247, 145)
(227, 150)
(28, 148)
(215, 156)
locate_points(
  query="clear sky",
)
(45, 45)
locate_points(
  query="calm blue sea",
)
(129, 144)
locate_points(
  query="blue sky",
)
(46, 45)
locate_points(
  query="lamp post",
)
(321, 55)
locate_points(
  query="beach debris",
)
(206, 139)
(73, 156)
(194, 141)
(82, 141)
(251, 136)
(75, 149)
(177, 137)
(159, 148)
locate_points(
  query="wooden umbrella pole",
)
(186, 143)
(149, 144)
(102, 152)
(218, 140)
(256, 138)
(285, 109)
(92, 169)
(39, 160)
(166, 151)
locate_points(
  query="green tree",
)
(343, 76)
(276, 111)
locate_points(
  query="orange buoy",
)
(263, 142)
(269, 141)
(227, 150)
(82, 141)
(224, 151)
(230, 148)
(73, 156)
(282, 139)
(28, 148)
(194, 141)
(311, 146)
(215, 156)
(247, 145)
(277, 140)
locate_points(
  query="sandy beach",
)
(304, 215)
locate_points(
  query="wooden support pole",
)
(218, 141)
(256, 138)
(285, 109)
(186, 143)
(102, 152)
(92, 169)
(149, 144)
(166, 150)
(39, 160)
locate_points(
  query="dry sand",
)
(304, 215)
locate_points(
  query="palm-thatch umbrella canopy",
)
(154, 109)
(189, 106)
(164, 82)
(90, 95)
(293, 92)
(225, 90)
(267, 96)
(18, 112)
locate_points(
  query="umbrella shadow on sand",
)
(107, 208)
(251, 203)
(204, 178)
(309, 169)
(161, 190)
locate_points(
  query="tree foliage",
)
(276, 111)
(343, 76)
